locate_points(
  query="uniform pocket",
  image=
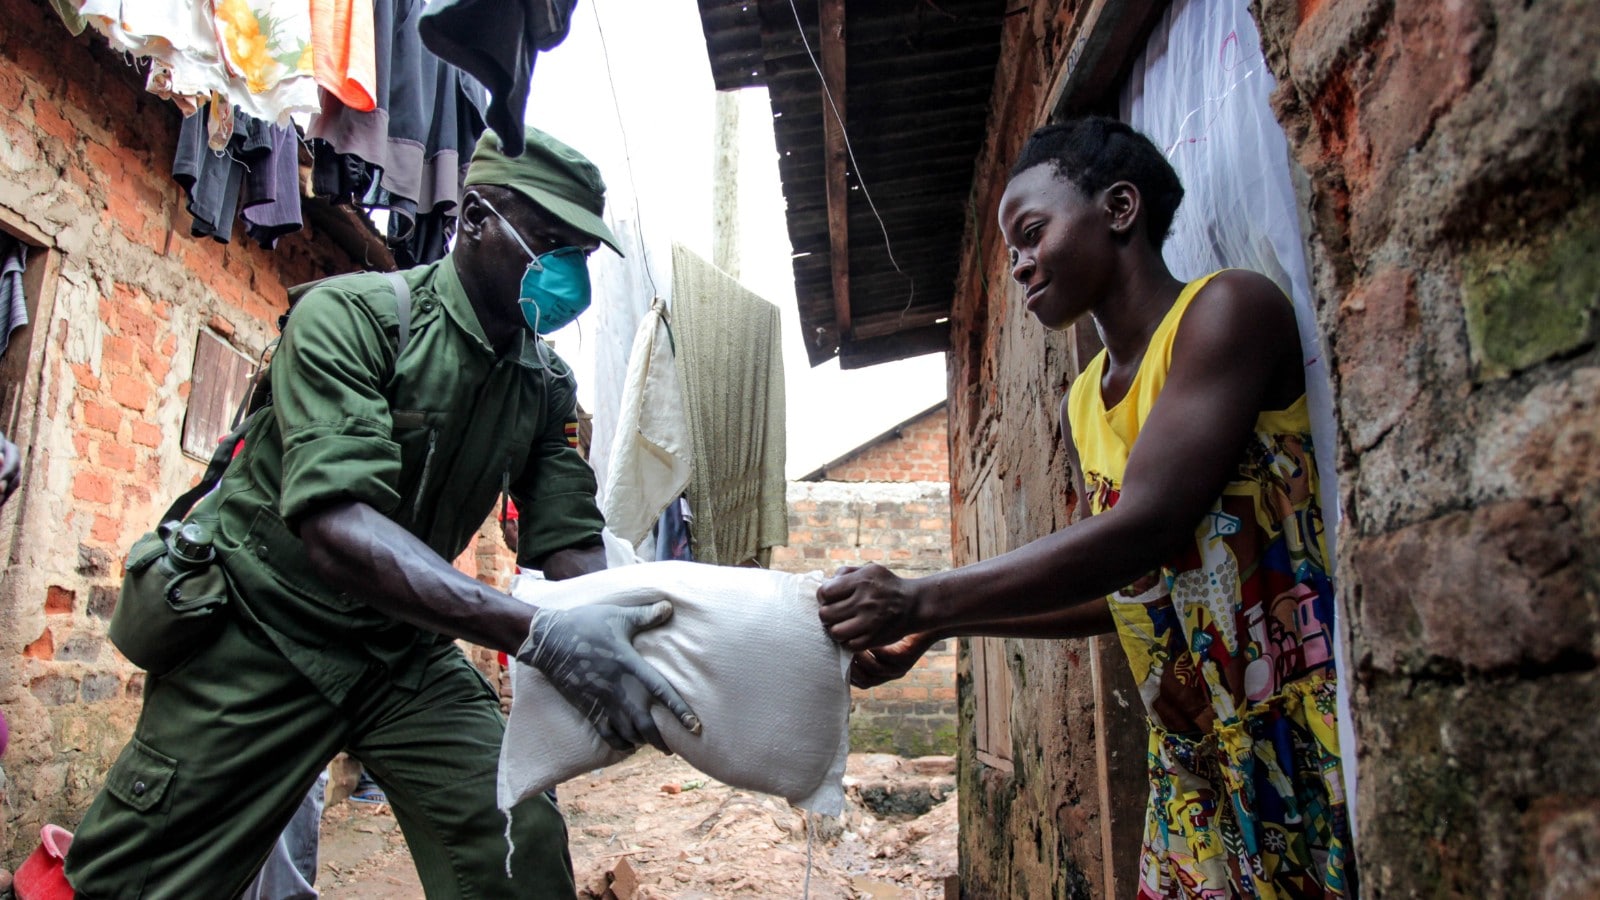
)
(141, 776)
(416, 431)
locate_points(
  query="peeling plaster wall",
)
(1451, 150)
(85, 167)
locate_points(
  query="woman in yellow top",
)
(1204, 550)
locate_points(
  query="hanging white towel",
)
(651, 451)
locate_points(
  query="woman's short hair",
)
(1095, 152)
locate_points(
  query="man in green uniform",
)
(372, 468)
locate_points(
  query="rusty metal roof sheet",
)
(918, 77)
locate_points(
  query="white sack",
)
(746, 651)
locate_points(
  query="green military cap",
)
(558, 178)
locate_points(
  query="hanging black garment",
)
(496, 42)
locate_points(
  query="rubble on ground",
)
(653, 828)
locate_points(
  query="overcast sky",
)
(663, 87)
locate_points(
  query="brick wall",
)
(907, 528)
(918, 450)
(102, 381)
(1453, 184)
(1449, 163)
(1039, 822)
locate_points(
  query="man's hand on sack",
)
(587, 654)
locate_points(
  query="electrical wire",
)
(850, 151)
(616, 104)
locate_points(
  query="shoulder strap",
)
(226, 446)
(213, 474)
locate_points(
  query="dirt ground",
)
(653, 828)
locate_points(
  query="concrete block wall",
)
(907, 528)
(1453, 185)
(85, 171)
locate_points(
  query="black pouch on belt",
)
(173, 593)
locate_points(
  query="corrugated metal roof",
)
(918, 76)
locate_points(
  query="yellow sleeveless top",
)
(1231, 645)
(1105, 437)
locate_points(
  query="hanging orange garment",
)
(341, 40)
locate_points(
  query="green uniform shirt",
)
(428, 439)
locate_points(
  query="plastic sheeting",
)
(624, 287)
(1200, 90)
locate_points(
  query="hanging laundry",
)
(409, 153)
(342, 178)
(650, 455)
(208, 178)
(70, 17)
(178, 39)
(496, 42)
(255, 53)
(13, 304)
(177, 33)
(265, 42)
(731, 365)
(271, 204)
(674, 538)
(259, 170)
(427, 240)
(343, 61)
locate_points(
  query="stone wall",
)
(102, 380)
(907, 528)
(1453, 153)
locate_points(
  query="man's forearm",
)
(360, 551)
(574, 561)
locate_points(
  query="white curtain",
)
(1200, 91)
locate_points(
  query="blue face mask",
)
(555, 287)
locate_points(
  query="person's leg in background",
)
(290, 872)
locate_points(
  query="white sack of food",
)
(746, 651)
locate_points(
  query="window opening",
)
(26, 269)
(220, 381)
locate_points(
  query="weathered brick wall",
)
(919, 450)
(1041, 829)
(85, 163)
(907, 528)
(1450, 163)
(1452, 157)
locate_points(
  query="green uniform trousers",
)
(228, 744)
